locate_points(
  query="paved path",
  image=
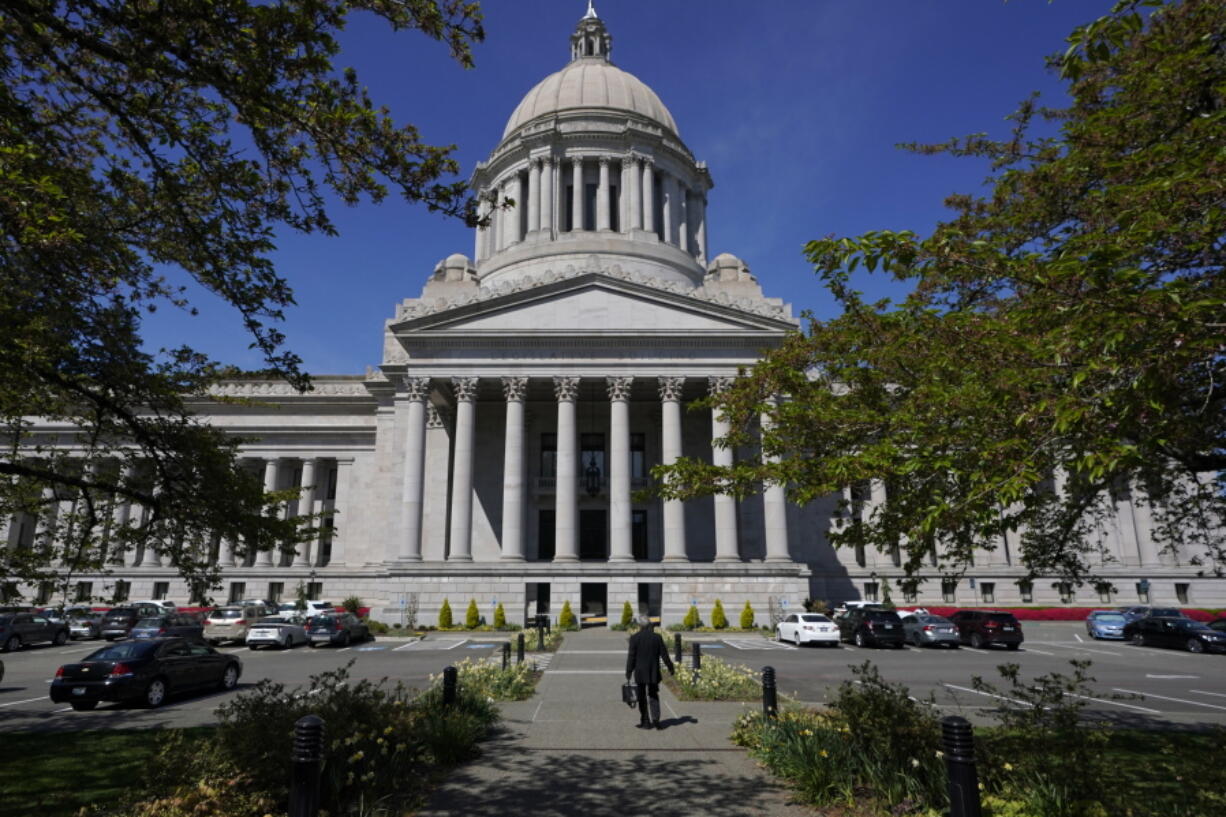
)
(573, 749)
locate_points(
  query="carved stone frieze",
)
(619, 387)
(566, 388)
(273, 388)
(670, 387)
(514, 388)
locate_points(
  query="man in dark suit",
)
(647, 650)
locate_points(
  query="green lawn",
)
(54, 774)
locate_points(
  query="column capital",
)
(604, 161)
(566, 388)
(719, 385)
(670, 387)
(465, 388)
(417, 388)
(547, 160)
(619, 387)
(514, 388)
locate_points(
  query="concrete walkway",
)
(573, 749)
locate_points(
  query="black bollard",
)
(697, 658)
(304, 779)
(958, 741)
(519, 649)
(540, 635)
(677, 647)
(450, 677)
(770, 695)
(506, 655)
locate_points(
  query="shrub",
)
(352, 604)
(718, 681)
(692, 620)
(567, 620)
(500, 617)
(472, 617)
(627, 614)
(444, 615)
(491, 681)
(747, 617)
(377, 627)
(718, 620)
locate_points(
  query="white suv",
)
(230, 623)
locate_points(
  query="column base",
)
(676, 559)
(459, 558)
(409, 559)
(567, 559)
(512, 559)
(777, 559)
(727, 558)
(622, 559)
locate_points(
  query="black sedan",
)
(341, 629)
(145, 672)
(1181, 633)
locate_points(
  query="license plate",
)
(888, 627)
(78, 690)
(1008, 628)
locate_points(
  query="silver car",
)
(85, 624)
(277, 631)
(927, 630)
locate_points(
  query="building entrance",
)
(593, 604)
(594, 535)
(536, 601)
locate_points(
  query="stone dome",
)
(590, 83)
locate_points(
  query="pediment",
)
(592, 304)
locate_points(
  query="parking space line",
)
(26, 701)
(1116, 703)
(1077, 636)
(1168, 698)
(1079, 648)
(988, 694)
(1206, 692)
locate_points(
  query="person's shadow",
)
(667, 722)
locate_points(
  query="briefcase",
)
(630, 694)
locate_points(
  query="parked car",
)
(165, 605)
(277, 631)
(19, 629)
(928, 630)
(869, 626)
(983, 628)
(341, 629)
(808, 628)
(266, 607)
(146, 671)
(85, 624)
(118, 622)
(165, 626)
(1105, 624)
(231, 623)
(1135, 614)
(1178, 632)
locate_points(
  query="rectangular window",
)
(1181, 592)
(123, 589)
(332, 476)
(591, 452)
(238, 590)
(988, 590)
(909, 594)
(896, 555)
(161, 590)
(638, 456)
(8, 592)
(1026, 588)
(545, 534)
(1143, 592)
(43, 596)
(614, 211)
(315, 590)
(860, 556)
(638, 534)
(1104, 592)
(1065, 589)
(870, 591)
(85, 592)
(275, 591)
(949, 589)
(549, 456)
(199, 595)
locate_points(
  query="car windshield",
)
(123, 651)
(227, 614)
(149, 622)
(1166, 611)
(271, 621)
(1109, 618)
(818, 617)
(881, 615)
(1004, 618)
(119, 615)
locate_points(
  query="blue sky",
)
(796, 107)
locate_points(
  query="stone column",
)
(774, 506)
(566, 529)
(602, 196)
(462, 470)
(621, 547)
(44, 524)
(271, 470)
(668, 208)
(121, 512)
(306, 506)
(649, 195)
(534, 196)
(505, 215)
(225, 553)
(1143, 526)
(700, 227)
(726, 546)
(481, 251)
(515, 390)
(413, 486)
(876, 499)
(344, 476)
(547, 195)
(576, 194)
(517, 193)
(674, 509)
(636, 193)
(623, 196)
(683, 217)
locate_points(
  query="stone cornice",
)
(279, 388)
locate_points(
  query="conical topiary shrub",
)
(566, 619)
(500, 617)
(627, 614)
(747, 617)
(692, 620)
(444, 615)
(718, 620)
(472, 618)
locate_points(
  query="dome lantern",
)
(591, 38)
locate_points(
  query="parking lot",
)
(24, 701)
(1142, 686)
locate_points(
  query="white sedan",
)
(807, 628)
(276, 632)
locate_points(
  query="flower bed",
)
(717, 681)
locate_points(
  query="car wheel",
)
(13, 644)
(1194, 645)
(915, 639)
(1013, 646)
(252, 647)
(976, 641)
(61, 638)
(287, 643)
(314, 644)
(860, 640)
(155, 693)
(1138, 639)
(83, 706)
(346, 640)
(229, 678)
